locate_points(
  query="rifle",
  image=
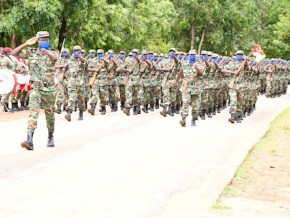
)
(61, 49)
(127, 76)
(100, 67)
(231, 84)
(166, 75)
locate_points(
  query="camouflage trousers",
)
(263, 84)
(147, 94)
(204, 96)
(188, 98)
(88, 92)
(178, 96)
(100, 92)
(272, 86)
(121, 92)
(169, 95)
(113, 94)
(76, 94)
(236, 98)
(48, 101)
(62, 95)
(155, 94)
(132, 95)
(23, 96)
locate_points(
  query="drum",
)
(7, 81)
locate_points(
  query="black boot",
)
(135, 110)
(169, 109)
(164, 112)
(183, 121)
(68, 115)
(239, 119)
(76, 105)
(81, 115)
(193, 122)
(127, 111)
(50, 141)
(22, 107)
(41, 105)
(232, 119)
(58, 109)
(177, 109)
(151, 107)
(116, 106)
(157, 104)
(219, 108)
(92, 110)
(86, 105)
(209, 113)
(139, 109)
(64, 109)
(171, 112)
(229, 102)
(202, 114)
(213, 110)
(28, 144)
(145, 108)
(245, 113)
(122, 105)
(254, 106)
(224, 104)
(15, 107)
(103, 110)
(113, 107)
(6, 108)
(249, 111)
(26, 106)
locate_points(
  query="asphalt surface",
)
(119, 166)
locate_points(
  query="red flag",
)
(258, 53)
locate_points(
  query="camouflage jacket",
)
(77, 73)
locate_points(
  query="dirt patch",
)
(261, 186)
(4, 117)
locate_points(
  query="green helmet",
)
(77, 47)
(42, 34)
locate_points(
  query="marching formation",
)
(70, 80)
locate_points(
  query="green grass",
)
(273, 142)
(220, 206)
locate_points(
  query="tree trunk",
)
(201, 41)
(13, 40)
(192, 35)
(61, 33)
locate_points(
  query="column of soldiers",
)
(147, 80)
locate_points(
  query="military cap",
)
(83, 50)
(100, 51)
(161, 55)
(177, 53)
(42, 34)
(65, 50)
(77, 47)
(172, 49)
(150, 52)
(92, 50)
(209, 53)
(135, 51)
(166, 56)
(156, 54)
(111, 51)
(192, 52)
(130, 54)
(122, 52)
(144, 52)
(203, 53)
(240, 52)
(215, 55)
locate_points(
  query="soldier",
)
(100, 85)
(43, 86)
(112, 82)
(191, 87)
(236, 92)
(63, 75)
(121, 80)
(76, 86)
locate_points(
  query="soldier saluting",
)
(43, 86)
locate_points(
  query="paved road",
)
(119, 166)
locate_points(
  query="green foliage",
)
(152, 24)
